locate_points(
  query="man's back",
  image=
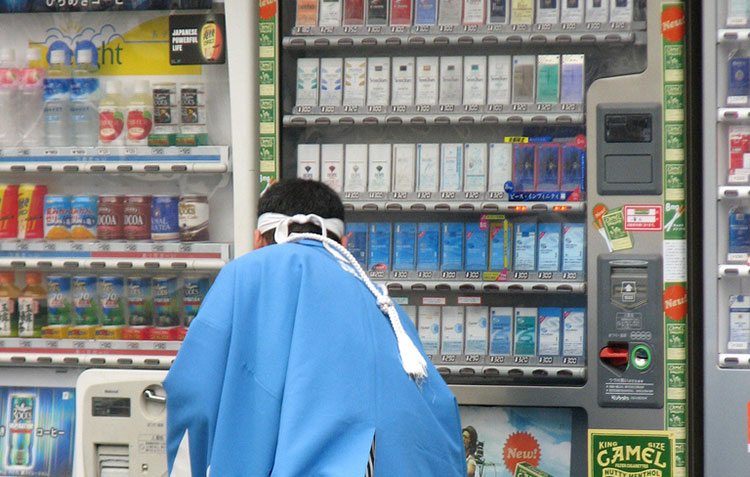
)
(312, 375)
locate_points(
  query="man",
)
(294, 368)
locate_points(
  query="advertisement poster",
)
(497, 439)
(36, 431)
(620, 453)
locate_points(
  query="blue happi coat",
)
(290, 369)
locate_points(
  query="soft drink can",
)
(57, 217)
(21, 429)
(83, 217)
(109, 224)
(194, 290)
(85, 300)
(31, 211)
(166, 302)
(165, 218)
(166, 114)
(193, 103)
(8, 211)
(139, 301)
(111, 301)
(59, 309)
(137, 217)
(193, 218)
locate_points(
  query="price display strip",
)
(499, 282)
(116, 159)
(36, 351)
(511, 369)
(461, 202)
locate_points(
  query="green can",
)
(112, 301)
(59, 306)
(85, 304)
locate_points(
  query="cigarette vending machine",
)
(726, 356)
(514, 173)
(125, 166)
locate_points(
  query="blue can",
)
(112, 301)
(739, 233)
(83, 210)
(57, 217)
(85, 302)
(139, 301)
(165, 215)
(166, 302)
(194, 290)
(59, 307)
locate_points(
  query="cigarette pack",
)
(452, 336)
(574, 247)
(404, 245)
(524, 338)
(355, 81)
(572, 167)
(548, 167)
(307, 12)
(379, 246)
(523, 167)
(307, 81)
(497, 12)
(550, 331)
(548, 78)
(475, 170)
(428, 246)
(401, 12)
(738, 13)
(402, 88)
(739, 232)
(548, 247)
(571, 11)
(475, 80)
(308, 161)
(476, 244)
(428, 326)
(356, 234)
(428, 167)
(524, 246)
(330, 13)
(597, 11)
(449, 12)
(524, 76)
(501, 331)
(739, 147)
(379, 167)
(427, 73)
(498, 79)
(739, 322)
(500, 169)
(548, 11)
(621, 11)
(451, 167)
(571, 79)
(411, 312)
(425, 12)
(331, 76)
(474, 12)
(378, 81)
(377, 12)
(403, 167)
(355, 168)
(477, 320)
(451, 78)
(354, 12)
(574, 332)
(521, 12)
(739, 81)
(332, 166)
(452, 246)
(500, 245)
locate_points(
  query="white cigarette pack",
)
(451, 167)
(402, 87)
(378, 81)
(524, 78)
(308, 161)
(571, 11)
(597, 11)
(621, 11)
(379, 167)
(332, 166)
(548, 11)
(427, 73)
(498, 79)
(500, 166)
(451, 77)
(475, 80)
(330, 13)
(331, 76)
(403, 167)
(452, 336)
(475, 167)
(355, 81)
(428, 167)
(307, 81)
(355, 167)
(477, 318)
(428, 326)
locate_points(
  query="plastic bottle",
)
(32, 307)
(57, 85)
(8, 304)
(84, 98)
(32, 99)
(140, 115)
(111, 115)
(8, 98)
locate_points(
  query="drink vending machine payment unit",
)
(514, 173)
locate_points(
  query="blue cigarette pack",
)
(523, 167)
(452, 246)
(550, 331)
(501, 329)
(574, 247)
(524, 246)
(739, 81)
(572, 168)
(379, 246)
(476, 248)
(500, 245)
(425, 12)
(548, 167)
(548, 243)
(739, 232)
(356, 233)
(404, 246)
(428, 246)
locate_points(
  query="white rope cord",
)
(411, 359)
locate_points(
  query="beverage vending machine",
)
(514, 173)
(127, 180)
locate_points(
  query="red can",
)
(137, 217)
(8, 211)
(109, 223)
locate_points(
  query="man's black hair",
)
(300, 196)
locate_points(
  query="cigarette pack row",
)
(456, 246)
(500, 331)
(444, 80)
(333, 13)
(448, 167)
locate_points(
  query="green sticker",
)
(676, 336)
(676, 375)
(674, 181)
(614, 225)
(676, 416)
(674, 102)
(630, 453)
(267, 33)
(674, 140)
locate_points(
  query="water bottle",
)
(8, 98)
(32, 98)
(57, 85)
(84, 97)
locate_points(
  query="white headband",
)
(280, 222)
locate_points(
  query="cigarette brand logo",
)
(673, 24)
(675, 302)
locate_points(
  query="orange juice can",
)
(8, 211)
(31, 211)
